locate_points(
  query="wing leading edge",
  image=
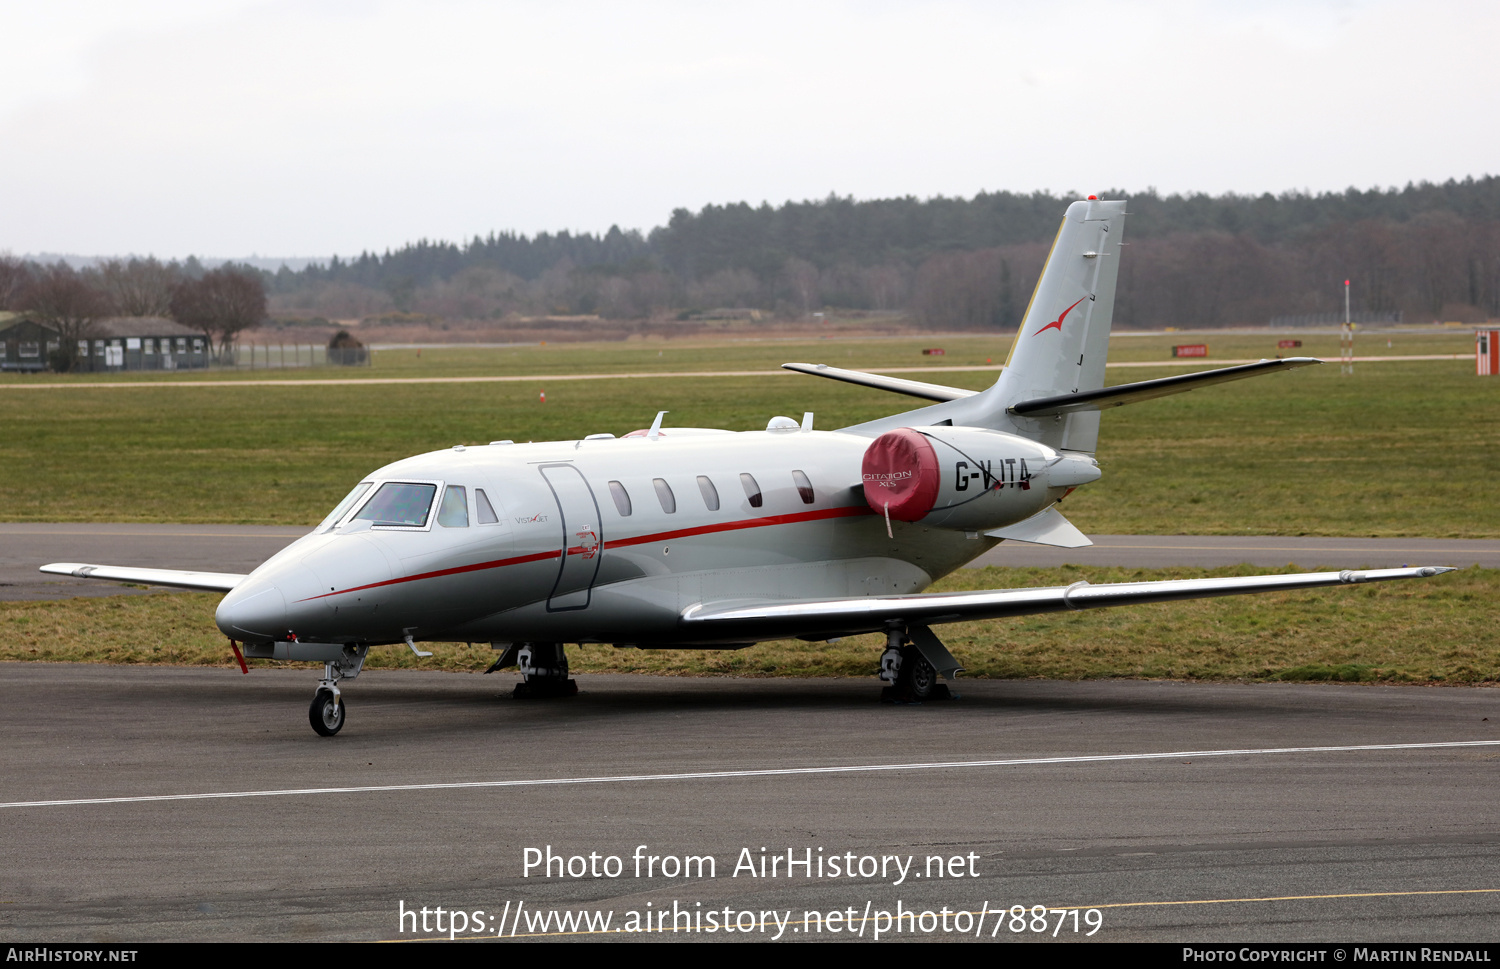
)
(815, 618)
(176, 578)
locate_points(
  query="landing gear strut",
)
(543, 666)
(911, 676)
(327, 711)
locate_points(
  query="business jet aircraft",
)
(684, 537)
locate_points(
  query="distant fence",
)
(282, 356)
(1335, 319)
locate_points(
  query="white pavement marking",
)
(556, 377)
(773, 772)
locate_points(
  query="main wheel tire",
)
(918, 680)
(326, 713)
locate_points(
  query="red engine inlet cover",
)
(900, 471)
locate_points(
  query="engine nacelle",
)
(967, 478)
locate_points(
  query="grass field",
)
(1398, 449)
(1433, 631)
(741, 350)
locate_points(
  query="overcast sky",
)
(176, 127)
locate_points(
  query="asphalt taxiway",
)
(1180, 812)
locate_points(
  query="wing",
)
(823, 618)
(203, 581)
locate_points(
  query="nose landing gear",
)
(327, 711)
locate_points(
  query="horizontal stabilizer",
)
(1047, 527)
(911, 388)
(1092, 400)
(816, 617)
(204, 581)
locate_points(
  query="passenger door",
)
(582, 537)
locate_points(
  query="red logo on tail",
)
(1058, 322)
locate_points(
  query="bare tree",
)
(69, 302)
(224, 303)
(14, 275)
(140, 287)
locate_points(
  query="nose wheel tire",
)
(326, 713)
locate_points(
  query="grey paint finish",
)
(244, 547)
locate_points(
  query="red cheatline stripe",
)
(477, 567)
(806, 516)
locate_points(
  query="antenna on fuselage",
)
(655, 431)
(807, 421)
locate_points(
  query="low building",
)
(144, 343)
(114, 344)
(25, 344)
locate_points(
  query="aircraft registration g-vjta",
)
(695, 538)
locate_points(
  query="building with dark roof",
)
(114, 344)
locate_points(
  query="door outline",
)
(582, 537)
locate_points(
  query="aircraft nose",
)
(253, 611)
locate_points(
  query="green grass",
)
(1398, 449)
(1430, 631)
(742, 349)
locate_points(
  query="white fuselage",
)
(598, 541)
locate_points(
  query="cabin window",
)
(31, 349)
(149, 346)
(345, 505)
(401, 504)
(83, 348)
(454, 512)
(664, 494)
(752, 490)
(182, 344)
(484, 509)
(622, 498)
(710, 493)
(804, 487)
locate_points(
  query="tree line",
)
(1428, 251)
(220, 303)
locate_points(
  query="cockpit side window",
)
(454, 512)
(400, 504)
(344, 506)
(483, 509)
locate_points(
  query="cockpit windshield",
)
(399, 503)
(344, 506)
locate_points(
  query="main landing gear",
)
(912, 663)
(543, 666)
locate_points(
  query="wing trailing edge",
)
(896, 385)
(1121, 394)
(176, 578)
(815, 617)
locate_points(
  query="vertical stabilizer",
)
(1064, 338)
(1062, 344)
